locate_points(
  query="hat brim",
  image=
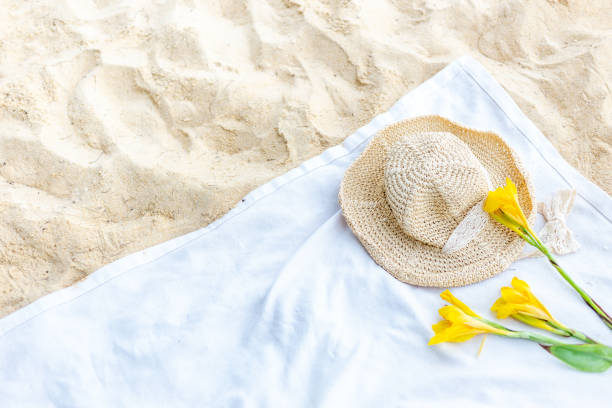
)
(365, 208)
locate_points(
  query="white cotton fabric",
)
(278, 305)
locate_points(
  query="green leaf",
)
(593, 358)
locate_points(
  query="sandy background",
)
(127, 123)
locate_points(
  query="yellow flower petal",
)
(512, 295)
(459, 323)
(455, 333)
(450, 298)
(502, 203)
(463, 338)
(511, 188)
(457, 316)
(524, 288)
(441, 326)
(532, 321)
(526, 309)
(520, 285)
(520, 303)
(502, 197)
(498, 303)
(505, 310)
(453, 314)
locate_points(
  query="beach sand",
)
(126, 123)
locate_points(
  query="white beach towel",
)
(278, 305)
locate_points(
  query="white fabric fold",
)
(277, 303)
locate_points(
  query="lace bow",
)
(555, 234)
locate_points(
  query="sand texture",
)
(126, 123)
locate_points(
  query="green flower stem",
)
(574, 333)
(490, 323)
(551, 328)
(589, 301)
(531, 240)
(586, 357)
(538, 338)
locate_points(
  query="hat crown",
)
(432, 180)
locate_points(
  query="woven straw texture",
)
(410, 188)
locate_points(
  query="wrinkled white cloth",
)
(277, 304)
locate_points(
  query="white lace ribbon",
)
(555, 234)
(468, 229)
(471, 225)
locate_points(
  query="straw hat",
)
(414, 199)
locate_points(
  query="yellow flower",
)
(450, 298)
(459, 322)
(502, 204)
(520, 303)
